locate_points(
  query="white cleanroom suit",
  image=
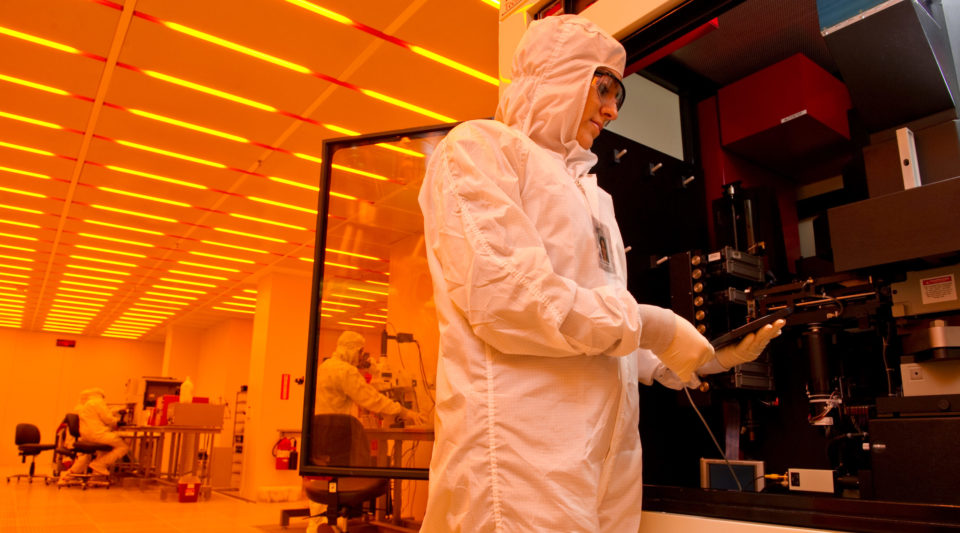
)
(537, 400)
(96, 425)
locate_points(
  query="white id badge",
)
(604, 252)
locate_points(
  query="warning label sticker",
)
(938, 289)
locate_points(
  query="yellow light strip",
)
(21, 237)
(494, 3)
(105, 250)
(201, 265)
(403, 151)
(375, 315)
(236, 47)
(26, 149)
(238, 304)
(281, 204)
(83, 291)
(114, 239)
(347, 296)
(364, 173)
(85, 305)
(185, 273)
(119, 336)
(356, 325)
(94, 269)
(169, 288)
(168, 153)
(10, 282)
(60, 306)
(144, 298)
(144, 197)
(107, 261)
(351, 254)
(210, 91)
(369, 291)
(21, 209)
(308, 157)
(250, 291)
(12, 275)
(225, 258)
(107, 287)
(91, 298)
(15, 267)
(328, 263)
(22, 193)
(118, 226)
(166, 295)
(189, 125)
(38, 40)
(234, 310)
(265, 221)
(411, 107)
(245, 298)
(369, 320)
(32, 85)
(185, 282)
(129, 329)
(251, 235)
(296, 184)
(15, 258)
(307, 259)
(234, 246)
(333, 310)
(377, 282)
(67, 313)
(21, 224)
(156, 177)
(325, 302)
(25, 173)
(134, 213)
(65, 322)
(163, 315)
(98, 278)
(28, 120)
(326, 315)
(141, 304)
(18, 248)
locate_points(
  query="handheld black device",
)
(735, 334)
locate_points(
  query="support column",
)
(279, 346)
(181, 351)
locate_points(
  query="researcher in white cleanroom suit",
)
(340, 384)
(96, 425)
(537, 400)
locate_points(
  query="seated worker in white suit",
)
(97, 424)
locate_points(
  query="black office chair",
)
(27, 439)
(70, 445)
(340, 440)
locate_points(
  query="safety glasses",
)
(609, 88)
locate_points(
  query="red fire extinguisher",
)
(285, 451)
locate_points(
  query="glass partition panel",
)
(374, 337)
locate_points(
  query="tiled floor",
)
(36, 508)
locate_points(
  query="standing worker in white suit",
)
(541, 345)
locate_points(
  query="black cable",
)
(717, 444)
(423, 375)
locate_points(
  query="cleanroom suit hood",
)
(537, 397)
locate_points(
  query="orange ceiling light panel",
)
(98, 260)
(352, 254)
(115, 239)
(251, 235)
(225, 258)
(244, 311)
(144, 197)
(211, 267)
(168, 153)
(188, 125)
(185, 282)
(95, 269)
(265, 221)
(120, 226)
(133, 213)
(196, 274)
(156, 177)
(209, 90)
(235, 247)
(107, 250)
(433, 56)
(25, 173)
(281, 204)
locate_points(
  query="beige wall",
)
(223, 366)
(40, 382)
